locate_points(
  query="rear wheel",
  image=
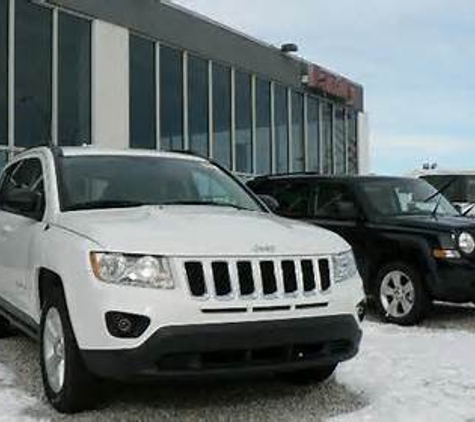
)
(401, 296)
(309, 376)
(68, 385)
(5, 328)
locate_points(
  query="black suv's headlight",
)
(466, 243)
(132, 270)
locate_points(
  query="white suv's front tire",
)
(68, 385)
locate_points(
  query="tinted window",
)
(352, 142)
(327, 141)
(329, 199)
(3, 72)
(298, 143)
(263, 127)
(313, 128)
(295, 198)
(28, 175)
(340, 141)
(222, 115)
(3, 159)
(142, 93)
(112, 181)
(281, 130)
(198, 105)
(243, 123)
(451, 185)
(74, 81)
(171, 99)
(32, 74)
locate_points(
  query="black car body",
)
(399, 225)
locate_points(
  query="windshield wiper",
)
(441, 190)
(93, 205)
(468, 210)
(207, 203)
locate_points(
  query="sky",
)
(415, 59)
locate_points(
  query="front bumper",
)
(232, 348)
(454, 281)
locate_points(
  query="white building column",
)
(110, 85)
(364, 163)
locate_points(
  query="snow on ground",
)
(401, 374)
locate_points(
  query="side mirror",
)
(270, 202)
(24, 200)
(346, 210)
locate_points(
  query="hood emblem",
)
(264, 249)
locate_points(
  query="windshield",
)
(462, 189)
(393, 197)
(98, 182)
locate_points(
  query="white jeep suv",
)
(136, 265)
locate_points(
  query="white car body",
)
(62, 243)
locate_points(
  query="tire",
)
(309, 376)
(5, 328)
(74, 389)
(400, 295)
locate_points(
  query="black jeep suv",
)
(411, 245)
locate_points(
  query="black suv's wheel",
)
(5, 328)
(401, 297)
(68, 385)
(309, 376)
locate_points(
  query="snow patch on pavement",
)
(14, 403)
(413, 374)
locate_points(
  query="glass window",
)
(295, 199)
(352, 142)
(222, 151)
(143, 112)
(118, 182)
(263, 127)
(198, 119)
(313, 129)
(3, 159)
(74, 81)
(340, 141)
(327, 121)
(334, 201)
(3, 72)
(171, 99)
(281, 129)
(243, 123)
(33, 45)
(298, 142)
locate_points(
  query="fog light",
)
(361, 310)
(122, 325)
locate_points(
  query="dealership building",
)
(150, 74)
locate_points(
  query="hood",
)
(199, 231)
(428, 222)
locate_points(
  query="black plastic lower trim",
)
(238, 348)
(19, 319)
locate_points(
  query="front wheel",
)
(68, 385)
(401, 296)
(309, 376)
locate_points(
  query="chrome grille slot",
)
(222, 279)
(324, 268)
(308, 275)
(289, 276)
(269, 280)
(246, 278)
(196, 278)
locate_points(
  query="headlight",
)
(132, 270)
(344, 266)
(466, 243)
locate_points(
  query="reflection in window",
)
(33, 35)
(3, 159)
(222, 115)
(171, 99)
(340, 141)
(327, 141)
(352, 142)
(298, 142)
(281, 129)
(142, 93)
(3, 72)
(313, 128)
(74, 81)
(198, 121)
(263, 127)
(243, 123)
